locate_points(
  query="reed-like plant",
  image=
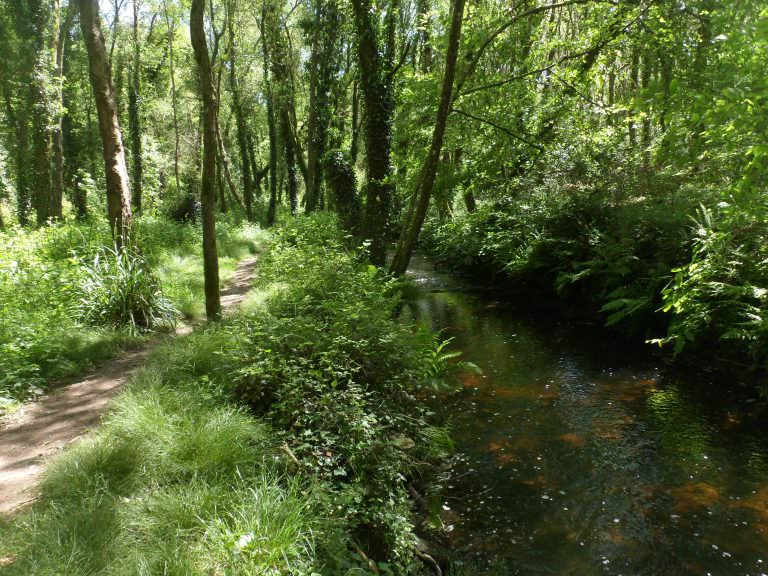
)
(119, 289)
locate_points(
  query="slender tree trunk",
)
(645, 80)
(272, 209)
(426, 180)
(208, 191)
(174, 96)
(115, 169)
(313, 163)
(47, 22)
(134, 114)
(322, 71)
(289, 150)
(354, 144)
(379, 110)
(223, 160)
(424, 50)
(57, 192)
(634, 84)
(242, 124)
(23, 200)
(222, 200)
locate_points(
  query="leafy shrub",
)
(611, 253)
(721, 294)
(181, 481)
(328, 364)
(118, 289)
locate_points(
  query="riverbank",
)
(661, 269)
(282, 440)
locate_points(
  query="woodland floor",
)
(31, 436)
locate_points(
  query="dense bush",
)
(613, 254)
(331, 367)
(720, 297)
(663, 267)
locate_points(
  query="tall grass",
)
(176, 481)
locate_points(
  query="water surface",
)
(578, 456)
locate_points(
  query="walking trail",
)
(44, 427)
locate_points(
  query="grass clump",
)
(120, 290)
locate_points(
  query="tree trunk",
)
(208, 192)
(379, 110)
(174, 103)
(223, 159)
(354, 144)
(322, 72)
(57, 191)
(45, 19)
(633, 85)
(645, 80)
(424, 50)
(272, 209)
(115, 169)
(242, 124)
(429, 171)
(134, 118)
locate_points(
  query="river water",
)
(577, 455)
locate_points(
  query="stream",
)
(578, 455)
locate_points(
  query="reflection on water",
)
(577, 459)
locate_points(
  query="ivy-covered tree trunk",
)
(242, 122)
(426, 180)
(424, 47)
(115, 169)
(208, 190)
(174, 104)
(270, 97)
(376, 86)
(134, 114)
(46, 24)
(289, 149)
(322, 70)
(61, 34)
(282, 96)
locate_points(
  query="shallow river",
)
(577, 456)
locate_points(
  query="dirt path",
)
(44, 427)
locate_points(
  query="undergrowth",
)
(674, 268)
(63, 310)
(284, 440)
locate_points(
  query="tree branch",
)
(504, 129)
(492, 38)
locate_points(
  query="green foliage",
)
(50, 292)
(173, 483)
(182, 480)
(721, 295)
(613, 254)
(330, 365)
